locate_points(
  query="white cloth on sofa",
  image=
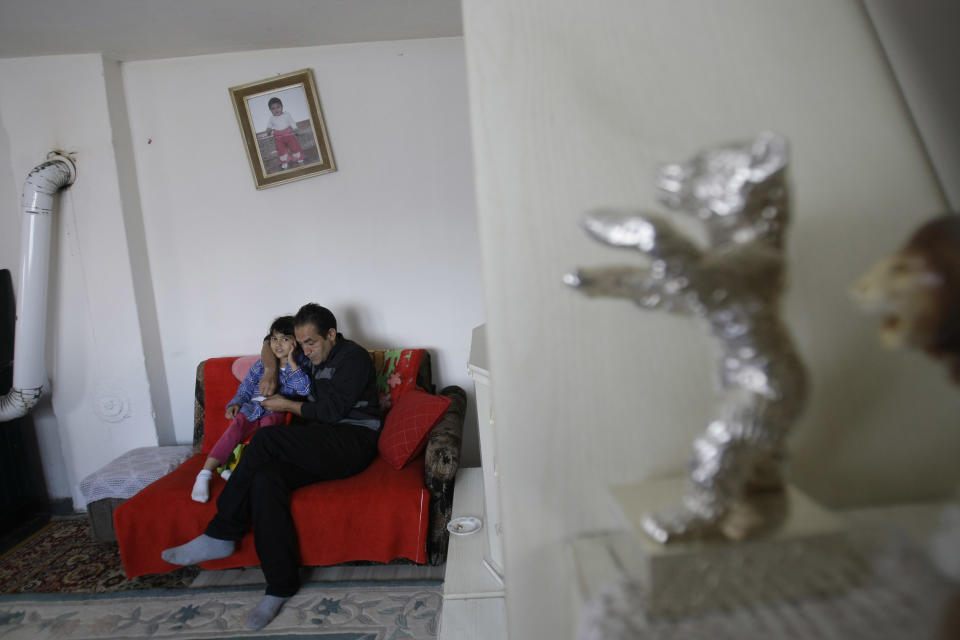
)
(133, 471)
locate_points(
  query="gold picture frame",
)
(301, 149)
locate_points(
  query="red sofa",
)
(380, 515)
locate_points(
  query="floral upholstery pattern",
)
(396, 374)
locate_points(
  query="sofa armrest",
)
(440, 470)
(199, 409)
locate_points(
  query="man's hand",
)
(279, 403)
(268, 384)
(232, 411)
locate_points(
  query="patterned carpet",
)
(62, 557)
(60, 583)
(329, 611)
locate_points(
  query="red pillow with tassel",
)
(407, 426)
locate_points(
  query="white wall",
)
(101, 405)
(573, 106)
(388, 241)
(10, 211)
(919, 39)
(157, 258)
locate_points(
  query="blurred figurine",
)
(917, 291)
(739, 193)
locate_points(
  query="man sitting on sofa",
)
(333, 435)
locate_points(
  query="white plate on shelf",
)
(464, 526)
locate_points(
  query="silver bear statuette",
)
(739, 193)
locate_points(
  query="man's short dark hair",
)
(320, 317)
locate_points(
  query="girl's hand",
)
(292, 359)
(232, 411)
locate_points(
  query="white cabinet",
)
(493, 525)
(473, 590)
(473, 597)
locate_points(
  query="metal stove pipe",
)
(29, 352)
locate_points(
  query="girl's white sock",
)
(201, 487)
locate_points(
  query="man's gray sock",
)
(264, 612)
(200, 549)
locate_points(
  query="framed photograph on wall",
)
(283, 128)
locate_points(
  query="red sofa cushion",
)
(219, 388)
(407, 426)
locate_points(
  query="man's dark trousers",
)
(278, 460)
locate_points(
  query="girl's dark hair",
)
(273, 101)
(282, 325)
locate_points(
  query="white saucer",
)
(464, 526)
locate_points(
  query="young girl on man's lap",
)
(245, 413)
